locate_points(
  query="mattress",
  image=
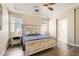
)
(35, 37)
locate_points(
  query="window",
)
(0, 17)
(16, 24)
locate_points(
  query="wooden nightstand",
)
(15, 39)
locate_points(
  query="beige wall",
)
(5, 28)
(69, 14)
(34, 20)
(29, 19)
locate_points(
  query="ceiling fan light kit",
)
(50, 8)
(36, 10)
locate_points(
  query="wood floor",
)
(61, 50)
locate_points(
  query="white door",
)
(62, 30)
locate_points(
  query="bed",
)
(34, 42)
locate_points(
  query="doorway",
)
(62, 30)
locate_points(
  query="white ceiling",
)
(28, 8)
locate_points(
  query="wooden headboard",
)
(30, 29)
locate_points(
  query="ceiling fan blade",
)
(50, 8)
(46, 4)
(51, 3)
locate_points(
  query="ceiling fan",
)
(46, 5)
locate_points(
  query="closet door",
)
(77, 26)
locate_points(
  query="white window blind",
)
(16, 24)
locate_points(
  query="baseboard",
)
(70, 43)
(4, 50)
(62, 41)
(73, 44)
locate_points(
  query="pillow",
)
(24, 34)
(29, 34)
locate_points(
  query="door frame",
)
(57, 31)
(75, 26)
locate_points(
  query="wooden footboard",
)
(35, 46)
